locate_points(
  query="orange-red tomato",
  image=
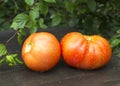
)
(41, 51)
(85, 52)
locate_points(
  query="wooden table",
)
(61, 75)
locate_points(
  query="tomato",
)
(41, 51)
(85, 52)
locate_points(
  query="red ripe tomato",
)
(85, 52)
(41, 51)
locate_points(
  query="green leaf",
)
(33, 30)
(69, 6)
(115, 42)
(19, 21)
(32, 25)
(14, 26)
(3, 49)
(22, 32)
(29, 2)
(56, 19)
(10, 59)
(43, 7)
(19, 61)
(34, 13)
(91, 5)
(50, 1)
(41, 23)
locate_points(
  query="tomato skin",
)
(41, 51)
(85, 52)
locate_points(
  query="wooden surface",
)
(61, 74)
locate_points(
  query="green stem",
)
(11, 37)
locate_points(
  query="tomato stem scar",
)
(28, 48)
(88, 38)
